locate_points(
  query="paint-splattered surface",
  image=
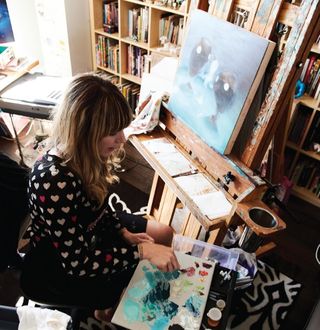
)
(156, 300)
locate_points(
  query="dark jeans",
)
(44, 280)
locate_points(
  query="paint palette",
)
(157, 300)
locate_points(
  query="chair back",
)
(13, 208)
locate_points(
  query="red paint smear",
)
(203, 272)
(190, 271)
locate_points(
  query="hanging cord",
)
(22, 162)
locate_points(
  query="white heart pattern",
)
(70, 197)
(95, 265)
(72, 230)
(54, 171)
(74, 263)
(65, 209)
(55, 198)
(83, 272)
(50, 210)
(97, 252)
(61, 185)
(58, 233)
(68, 243)
(61, 221)
(46, 185)
(36, 185)
(65, 254)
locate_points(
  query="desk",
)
(8, 76)
(32, 95)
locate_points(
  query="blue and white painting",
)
(156, 300)
(6, 33)
(218, 68)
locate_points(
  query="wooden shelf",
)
(129, 41)
(109, 35)
(299, 163)
(124, 6)
(316, 48)
(310, 154)
(108, 70)
(306, 195)
(309, 101)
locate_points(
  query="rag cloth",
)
(36, 318)
(147, 115)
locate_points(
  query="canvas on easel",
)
(160, 300)
(220, 68)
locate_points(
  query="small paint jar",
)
(214, 316)
(221, 304)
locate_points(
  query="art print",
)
(6, 33)
(157, 300)
(219, 71)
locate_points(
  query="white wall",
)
(78, 26)
(57, 32)
(25, 28)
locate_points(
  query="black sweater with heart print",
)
(87, 239)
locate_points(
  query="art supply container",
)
(249, 240)
(214, 316)
(226, 258)
(221, 304)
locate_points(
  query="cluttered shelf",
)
(302, 153)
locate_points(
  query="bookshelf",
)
(126, 32)
(302, 156)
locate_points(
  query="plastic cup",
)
(214, 316)
(221, 304)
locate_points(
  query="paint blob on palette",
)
(157, 300)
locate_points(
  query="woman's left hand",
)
(136, 238)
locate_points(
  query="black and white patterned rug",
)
(262, 306)
(265, 304)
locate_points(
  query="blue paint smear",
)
(131, 310)
(193, 305)
(149, 299)
(160, 324)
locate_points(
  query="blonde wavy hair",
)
(92, 108)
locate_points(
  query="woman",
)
(95, 247)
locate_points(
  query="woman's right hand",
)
(161, 256)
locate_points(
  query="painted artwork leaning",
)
(156, 300)
(219, 70)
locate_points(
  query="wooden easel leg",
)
(263, 249)
(155, 197)
(191, 227)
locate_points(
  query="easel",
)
(233, 174)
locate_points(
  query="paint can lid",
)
(221, 304)
(214, 314)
